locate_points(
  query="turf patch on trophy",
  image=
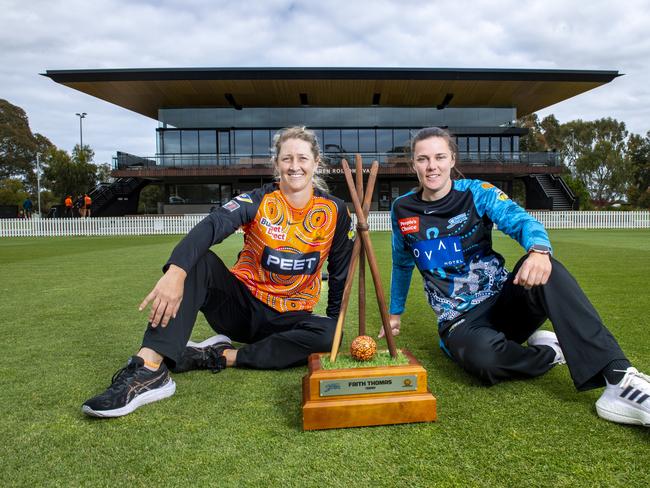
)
(370, 386)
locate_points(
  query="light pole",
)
(81, 116)
(38, 182)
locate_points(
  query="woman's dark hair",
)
(428, 133)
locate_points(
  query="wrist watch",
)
(540, 249)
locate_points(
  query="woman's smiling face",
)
(296, 166)
(432, 162)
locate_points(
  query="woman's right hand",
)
(166, 296)
(395, 322)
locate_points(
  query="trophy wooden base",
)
(358, 397)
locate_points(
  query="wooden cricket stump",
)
(365, 396)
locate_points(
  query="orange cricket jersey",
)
(284, 247)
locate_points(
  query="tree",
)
(544, 135)
(600, 163)
(638, 154)
(149, 198)
(104, 173)
(579, 190)
(534, 140)
(66, 176)
(552, 133)
(12, 192)
(18, 146)
(83, 155)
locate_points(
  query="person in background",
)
(28, 208)
(486, 314)
(265, 301)
(87, 203)
(68, 206)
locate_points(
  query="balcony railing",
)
(235, 161)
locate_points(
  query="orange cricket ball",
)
(363, 348)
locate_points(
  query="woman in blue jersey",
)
(486, 314)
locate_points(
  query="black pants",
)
(487, 341)
(274, 340)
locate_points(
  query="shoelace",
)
(630, 375)
(119, 373)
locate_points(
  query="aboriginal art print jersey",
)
(450, 242)
(284, 247)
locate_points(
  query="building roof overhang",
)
(145, 91)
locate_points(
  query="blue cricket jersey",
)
(450, 242)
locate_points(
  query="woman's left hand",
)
(534, 271)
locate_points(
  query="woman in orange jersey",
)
(264, 301)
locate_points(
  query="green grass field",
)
(69, 319)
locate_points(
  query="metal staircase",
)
(117, 198)
(556, 189)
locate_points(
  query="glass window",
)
(350, 140)
(384, 140)
(243, 142)
(332, 140)
(319, 136)
(367, 140)
(462, 145)
(401, 140)
(473, 144)
(172, 141)
(495, 145)
(505, 144)
(190, 141)
(485, 144)
(515, 144)
(207, 142)
(224, 142)
(226, 193)
(261, 142)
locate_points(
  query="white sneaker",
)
(210, 341)
(627, 402)
(547, 338)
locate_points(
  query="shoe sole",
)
(219, 338)
(628, 416)
(544, 338)
(166, 390)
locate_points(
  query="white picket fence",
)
(181, 224)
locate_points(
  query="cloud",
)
(75, 34)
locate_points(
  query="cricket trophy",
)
(372, 395)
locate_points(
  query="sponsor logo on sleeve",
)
(409, 225)
(231, 206)
(289, 263)
(351, 232)
(276, 232)
(500, 195)
(244, 197)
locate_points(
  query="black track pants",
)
(487, 341)
(274, 340)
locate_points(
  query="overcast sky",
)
(38, 35)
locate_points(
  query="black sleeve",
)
(219, 224)
(339, 259)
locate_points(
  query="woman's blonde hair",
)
(429, 132)
(304, 134)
